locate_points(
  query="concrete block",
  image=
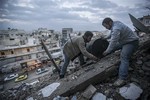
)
(89, 91)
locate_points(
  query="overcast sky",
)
(81, 15)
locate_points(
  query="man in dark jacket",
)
(73, 48)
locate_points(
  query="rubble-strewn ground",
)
(139, 73)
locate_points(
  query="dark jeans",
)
(127, 51)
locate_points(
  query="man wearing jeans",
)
(121, 37)
(75, 48)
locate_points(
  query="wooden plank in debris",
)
(49, 55)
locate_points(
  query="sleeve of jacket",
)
(84, 51)
(115, 35)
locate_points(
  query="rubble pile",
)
(138, 79)
(16, 93)
(137, 85)
(24, 90)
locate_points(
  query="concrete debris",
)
(74, 77)
(88, 93)
(89, 68)
(142, 34)
(16, 93)
(74, 98)
(30, 98)
(61, 98)
(99, 96)
(101, 75)
(130, 91)
(139, 62)
(135, 80)
(109, 92)
(146, 66)
(48, 90)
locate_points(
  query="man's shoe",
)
(61, 76)
(119, 82)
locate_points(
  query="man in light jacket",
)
(74, 48)
(121, 37)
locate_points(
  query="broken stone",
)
(117, 96)
(144, 59)
(139, 62)
(145, 68)
(61, 98)
(108, 92)
(141, 71)
(142, 34)
(147, 64)
(48, 90)
(144, 84)
(110, 84)
(89, 68)
(74, 77)
(99, 96)
(148, 57)
(131, 69)
(101, 66)
(30, 98)
(88, 93)
(74, 98)
(135, 80)
(130, 91)
(147, 73)
(146, 95)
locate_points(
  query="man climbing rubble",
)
(75, 48)
(121, 37)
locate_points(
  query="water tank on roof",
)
(97, 47)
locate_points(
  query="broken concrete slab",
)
(89, 91)
(85, 78)
(130, 91)
(61, 98)
(30, 98)
(46, 91)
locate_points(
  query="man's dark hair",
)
(88, 33)
(107, 20)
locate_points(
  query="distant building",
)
(65, 34)
(13, 37)
(21, 48)
(145, 20)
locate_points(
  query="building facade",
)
(145, 20)
(65, 34)
(17, 48)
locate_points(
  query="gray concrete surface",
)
(91, 74)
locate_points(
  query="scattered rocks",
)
(139, 62)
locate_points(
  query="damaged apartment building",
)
(94, 80)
